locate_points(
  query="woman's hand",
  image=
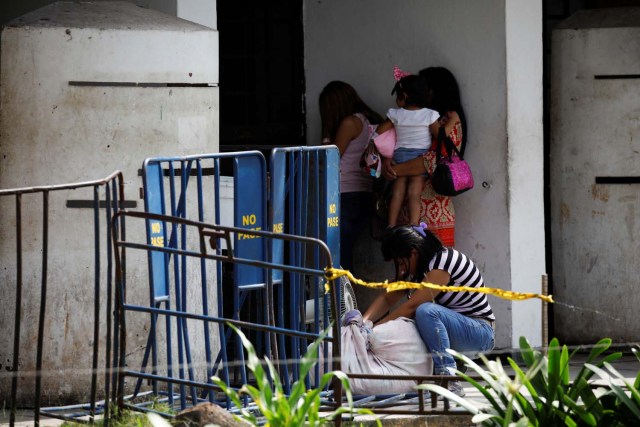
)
(381, 305)
(449, 121)
(387, 169)
(408, 308)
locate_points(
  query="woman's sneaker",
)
(456, 388)
(453, 386)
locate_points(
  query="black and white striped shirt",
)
(463, 273)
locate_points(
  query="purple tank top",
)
(351, 176)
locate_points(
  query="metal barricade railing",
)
(304, 183)
(304, 200)
(196, 244)
(165, 381)
(193, 187)
(34, 276)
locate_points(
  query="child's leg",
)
(414, 194)
(397, 198)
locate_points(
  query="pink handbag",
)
(379, 146)
(386, 143)
(452, 175)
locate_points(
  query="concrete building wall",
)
(594, 135)
(83, 93)
(494, 48)
(201, 12)
(525, 163)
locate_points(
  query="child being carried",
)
(415, 125)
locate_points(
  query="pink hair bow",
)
(398, 73)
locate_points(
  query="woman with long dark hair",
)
(345, 123)
(443, 95)
(462, 321)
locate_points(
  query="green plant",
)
(544, 395)
(618, 407)
(128, 417)
(299, 408)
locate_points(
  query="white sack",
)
(394, 348)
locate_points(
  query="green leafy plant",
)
(301, 407)
(540, 395)
(127, 417)
(620, 405)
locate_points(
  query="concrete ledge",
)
(414, 421)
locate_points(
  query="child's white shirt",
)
(412, 127)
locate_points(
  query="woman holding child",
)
(463, 321)
(436, 210)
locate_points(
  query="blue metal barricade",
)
(280, 236)
(190, 187)
(200, 242)
(305, 200)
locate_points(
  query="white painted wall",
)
(525, 162)
(360, 43)
(202, 12)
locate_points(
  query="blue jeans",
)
(442, 328)
(401, 155)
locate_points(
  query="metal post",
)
(545, 314)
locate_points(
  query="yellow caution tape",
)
(334, 273)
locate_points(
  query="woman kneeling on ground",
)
(462, 321)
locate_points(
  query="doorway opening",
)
(261, 75)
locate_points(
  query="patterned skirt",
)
(437, 212)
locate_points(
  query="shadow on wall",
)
(370, 266)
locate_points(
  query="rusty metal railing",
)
(197, 244)
(107, 196)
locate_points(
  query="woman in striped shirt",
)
(462, 321)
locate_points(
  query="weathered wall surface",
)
(595, 130)
(86, 89)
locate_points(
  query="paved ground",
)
(628, 366)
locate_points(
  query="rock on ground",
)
(206, 414)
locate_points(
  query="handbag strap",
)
(449, 146)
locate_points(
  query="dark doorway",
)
(261, 74)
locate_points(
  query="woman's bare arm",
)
(416, 166)
(381, 305)
(408, 308)
(350, 127)
(384, 126)
(452, 118)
